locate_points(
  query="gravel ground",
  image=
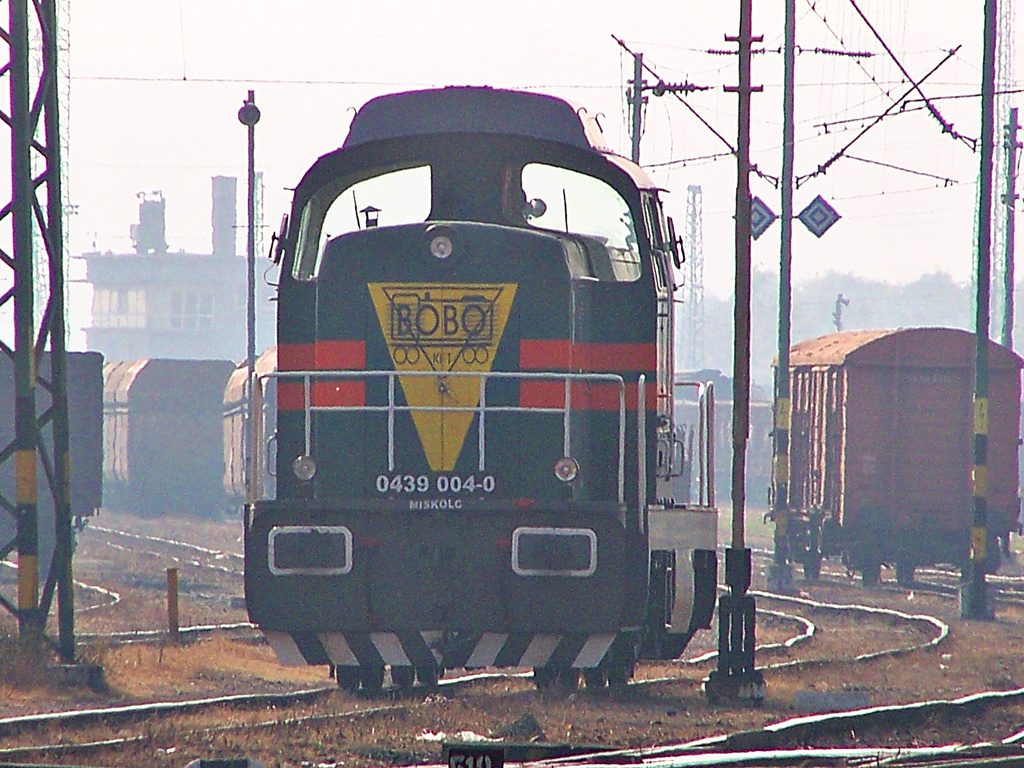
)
(977, 656)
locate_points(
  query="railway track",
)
(1007, 589)
(807, 643)
(210, 582)
(79, 730)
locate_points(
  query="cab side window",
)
(388, 199)
(568, 201)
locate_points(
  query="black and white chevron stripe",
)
(421, 649)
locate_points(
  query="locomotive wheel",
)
(871, 573)
(812, 565)
(347, 677)
(619, 674)
(428, 676)
(543, 677)
(619, 666)
(403, 677)
(371, 678)
(595, 678)
(904, 573)
(569, 679)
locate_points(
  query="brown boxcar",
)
(234, 426)
(881, 448)
(163, 436)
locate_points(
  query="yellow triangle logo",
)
(442, 327)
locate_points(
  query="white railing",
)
(482, 409)
(705, 440)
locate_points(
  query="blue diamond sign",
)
(818, 216)
(761, 217)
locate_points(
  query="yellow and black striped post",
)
(780, 472)
(26, 500)
(26, 436)
(172, 605)
(780, 576)
(974, 602)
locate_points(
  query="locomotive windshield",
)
(475, 184)
(570, 201)
(389, 199)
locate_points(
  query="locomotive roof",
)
(475, 109)
(924, 347)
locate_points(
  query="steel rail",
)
(117, 715)
(162, 540)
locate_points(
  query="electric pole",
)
(736, 677)
(1010, 201)
(636, 101)
(974, 599)
(248, 116)
(782, 575)
(695, 285)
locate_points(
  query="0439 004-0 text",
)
(441, 484)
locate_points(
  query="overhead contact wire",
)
(947, 127)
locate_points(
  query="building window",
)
(119, 308)
(191, 310)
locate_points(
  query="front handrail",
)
(481, 409)
(705, 440)
(641, 452)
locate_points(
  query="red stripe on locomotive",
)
(590, 357)
(296, 357)
(585, 397)
(341, 355)
(338, 355)
(562, 354)
(325, 394)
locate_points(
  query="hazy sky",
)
(155, 88)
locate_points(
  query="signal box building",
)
(157, 303)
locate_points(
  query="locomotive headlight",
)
(441, 246)
(566, 469)
(304, 468)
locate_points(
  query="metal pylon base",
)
(736, 679)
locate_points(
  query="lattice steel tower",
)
(31, 241)
(693, 344)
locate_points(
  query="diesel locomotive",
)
(475, 443)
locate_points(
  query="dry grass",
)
(22, 664)
(218, 664)
(978, 656)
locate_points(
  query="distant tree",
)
(931, 300)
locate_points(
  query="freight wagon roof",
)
(923, 347)
(118, 378)
(125, 381)
(234, 392)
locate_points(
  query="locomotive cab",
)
(474, 405)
